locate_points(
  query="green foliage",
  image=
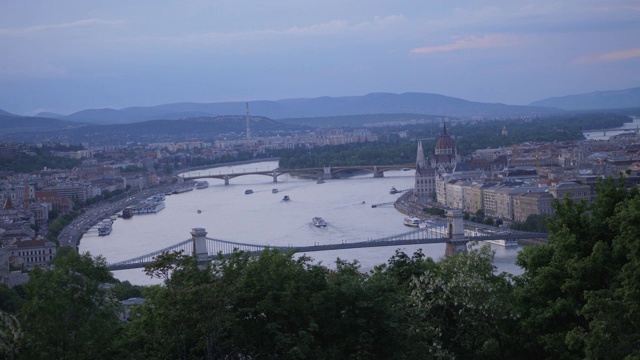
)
(23, 163)
(10, 300)
(124, 290)
(534, 223)
(10, 336)
(465, 309)
(434, 211)
(589, 260)
(59, 224)
(68, 315)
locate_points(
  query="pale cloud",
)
(609, 57)
(69, 25)
(471, 42)
(330, 28)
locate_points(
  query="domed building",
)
(443, 161)
(445, 155)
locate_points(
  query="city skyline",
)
(67, 56)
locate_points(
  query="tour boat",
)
(202, 184)
(412, 221)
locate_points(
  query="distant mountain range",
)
(32, 129)
(192, 120)
(618, 99)
(375, 103)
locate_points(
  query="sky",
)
(64, 56)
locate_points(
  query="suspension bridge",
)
(451, 233)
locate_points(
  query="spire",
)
(421, 162)
(8, 204)
(444, 128)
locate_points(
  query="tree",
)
(10, 336)
(577, 291)
(464, 308)
(68, 314)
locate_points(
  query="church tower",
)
(425, 182)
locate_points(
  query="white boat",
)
(412, 221)
(487, 232)
(149, 206)
(318, 222)
(202, 184)
(104, 228)
(504, 242)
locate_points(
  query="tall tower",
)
(425, 179)
(248, 126)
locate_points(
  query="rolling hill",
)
(598, 100)
(374, 103)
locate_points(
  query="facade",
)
(430, 180)
(28, 254)
(532, 203)
(425, 181)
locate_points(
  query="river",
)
(605, 134)
(227, 213)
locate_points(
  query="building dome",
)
(445, 144)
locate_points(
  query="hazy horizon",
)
(67, 56)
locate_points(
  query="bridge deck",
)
(415, 237)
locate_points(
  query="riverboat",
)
(248, 191)
(183, 189)
(320, 181)
(202, 185)
(504, 242)
(318, 222)
(127, 212)
(286, 198)
(105, 228)
(412, 221)
(149, 206)
(274, 191)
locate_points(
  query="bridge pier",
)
(199, 238)
(226, 179)
(376, 173)
(326, 173)
(457, 241)
(275, 176)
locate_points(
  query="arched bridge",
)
(325, 173)
(452, 233)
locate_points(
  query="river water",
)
(630, 127)
(263, 218)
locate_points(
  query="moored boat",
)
(181, 190)
(202, 184)
(318, 222)
(412, 221)
(127, 213)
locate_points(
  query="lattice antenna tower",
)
(248, 125)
